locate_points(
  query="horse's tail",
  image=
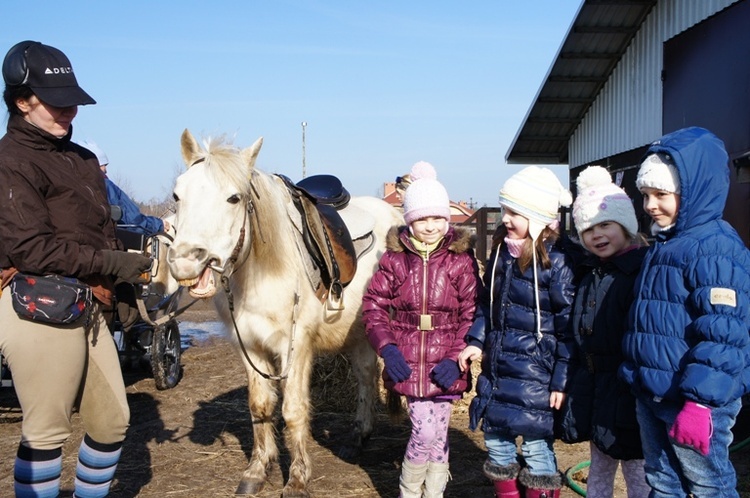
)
(395, 407)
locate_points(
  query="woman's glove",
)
(126, 265)
(693, 427)
(395, 364)
(445, 373)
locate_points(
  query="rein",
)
(226, 271)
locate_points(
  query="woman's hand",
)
(556, 399)
(469, 354)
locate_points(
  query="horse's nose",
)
(193, 253)
(187, 261)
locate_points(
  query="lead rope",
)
(290, 352)
(230, 301)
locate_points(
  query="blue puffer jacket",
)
(688, 335)
(519, 371)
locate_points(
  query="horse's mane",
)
(223, 162)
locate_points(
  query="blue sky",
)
(380, 85)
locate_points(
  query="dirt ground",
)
(195, 440)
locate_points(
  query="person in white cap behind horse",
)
(131, 214)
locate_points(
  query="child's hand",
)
(395, 364)
(469, 354)
(556, 399)
(693, 427)
(445, 373)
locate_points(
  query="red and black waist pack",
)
(50, 298)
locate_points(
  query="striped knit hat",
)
(536, 194)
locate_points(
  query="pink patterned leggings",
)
(429, 430)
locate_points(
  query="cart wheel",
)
(165, 356)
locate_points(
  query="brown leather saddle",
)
(318, 199)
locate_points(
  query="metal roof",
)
(597, 39)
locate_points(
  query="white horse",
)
(237, 222)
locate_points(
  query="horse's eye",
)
(234, 199)
(176, 199)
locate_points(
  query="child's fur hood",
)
(461, 241)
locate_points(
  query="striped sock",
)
(37, 472)
(96, 468)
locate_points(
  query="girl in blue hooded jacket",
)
(521, 333)
(687, 349)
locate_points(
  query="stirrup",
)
(335, 298)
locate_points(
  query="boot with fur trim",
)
(543, 486)
(504, 478)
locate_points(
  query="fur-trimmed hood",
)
(458, 240)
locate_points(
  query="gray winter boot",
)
(412, 478)
(436, 479)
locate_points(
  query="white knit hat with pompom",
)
(600, 200)
(425, 196)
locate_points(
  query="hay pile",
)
(333, 387)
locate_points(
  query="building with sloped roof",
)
(630, 71)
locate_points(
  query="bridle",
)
(228, 270)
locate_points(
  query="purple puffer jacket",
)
(406, 285)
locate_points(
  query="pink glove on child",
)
(693, 427)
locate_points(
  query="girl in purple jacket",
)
(417, 310)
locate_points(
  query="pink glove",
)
(693, 427)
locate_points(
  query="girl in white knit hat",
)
(521, 327)
(599, 407)
(417, 310)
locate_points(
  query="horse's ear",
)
(190, 147)
(250, 154)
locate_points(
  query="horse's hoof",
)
(248, 487)
(294, 491)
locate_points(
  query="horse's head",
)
(213, 203)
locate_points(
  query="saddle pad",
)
(357, 220)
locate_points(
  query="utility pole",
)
(304, 168)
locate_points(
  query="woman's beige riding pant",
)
(57, 369)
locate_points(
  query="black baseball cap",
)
(47, 72)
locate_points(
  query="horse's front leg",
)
(295, 409)
(364, 364)
(262, 398)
